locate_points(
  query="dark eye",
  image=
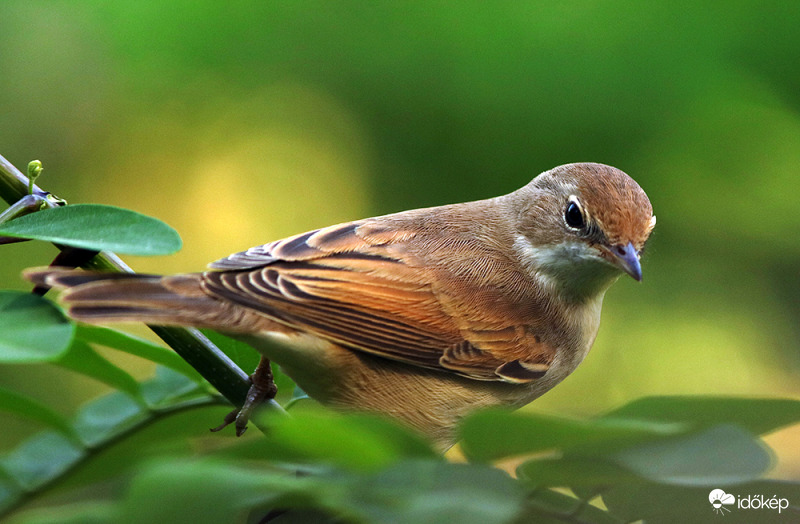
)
(574, 216)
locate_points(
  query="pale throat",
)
(570, 269)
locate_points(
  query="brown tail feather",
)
(100, 298)
(62, 278)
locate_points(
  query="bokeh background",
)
(242, 122)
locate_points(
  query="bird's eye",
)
(573, 215)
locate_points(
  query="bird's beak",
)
(626, 258)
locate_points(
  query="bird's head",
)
(582, 225)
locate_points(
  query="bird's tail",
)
(100, 298)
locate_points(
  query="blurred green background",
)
(242, 122)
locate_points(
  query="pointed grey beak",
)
(627, 259)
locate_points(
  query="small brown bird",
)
(423, 315)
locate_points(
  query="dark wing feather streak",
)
(300, 295)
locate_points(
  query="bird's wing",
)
(356, 285)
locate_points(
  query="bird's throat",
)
(569, 269)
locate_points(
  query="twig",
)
(219, 370)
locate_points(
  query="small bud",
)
(34, 170)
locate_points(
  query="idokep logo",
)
(719, 499)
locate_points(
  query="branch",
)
(219, 370)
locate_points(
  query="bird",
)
(424, 315)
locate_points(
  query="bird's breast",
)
(583, 322)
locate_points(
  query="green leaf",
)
(138, 347)
(757, 415)
(720, 455)
(107, 417)
(168, 388)
(203, 491)
(433, 492)
(12, 402)
(422, 492)
(32, 329)
(357, 441)
(97, 227)
(573, 471)
(493, 434)
(723, 455)
(42, 458)
(83, 359)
